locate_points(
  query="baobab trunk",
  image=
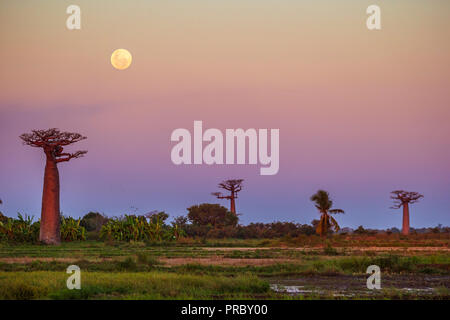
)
(405, 228)
(233, 206)
(50, 219)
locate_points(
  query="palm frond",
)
(322, 200)
(335, 224)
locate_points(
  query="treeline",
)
(205, 221)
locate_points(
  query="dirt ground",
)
(24, 260)
(169, 262)
(220, 261)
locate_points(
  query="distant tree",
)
(2, 217)
(393, 230)
(403, 199)
(436, 229)
(306, 229)
(324, 204)
(52, 141)
(211, 214)
(93, 221)
(360, 230)
(181, 221)
(233, 186)
(155, 216)
(179, 226)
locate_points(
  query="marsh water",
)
(356, 285)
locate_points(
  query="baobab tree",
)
(52, 141)
(324, 204)
(403, 199)
(233, 186)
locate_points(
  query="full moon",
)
(121, 59)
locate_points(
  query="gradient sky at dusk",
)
(360, 113)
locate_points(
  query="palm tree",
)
(324, 204)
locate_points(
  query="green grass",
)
(149, 285)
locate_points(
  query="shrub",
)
(127, 265)
(329, 250)
(71, 230)
(138, 228)
(214, 215)
(24, 230)
(93, 221)
(143, 258)
(21, 291)
(21, 229)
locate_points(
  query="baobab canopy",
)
(52, 140)
(400, 197)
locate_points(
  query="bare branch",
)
(69, 156)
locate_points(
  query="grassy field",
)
(417, 267)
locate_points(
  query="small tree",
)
(211, 214)
(52, 141)
(360, 230)
(233, 186)
(403, 199)
(155, 215)
(324, 204)
(93, 221)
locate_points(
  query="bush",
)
(21, 229)
(127, 265)
(138, 228)
(93, 221)
(24, 230)
(329, 250)
(71, 229)
(21, 291)
(143, 258)
(214, 215)
(274, 230)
